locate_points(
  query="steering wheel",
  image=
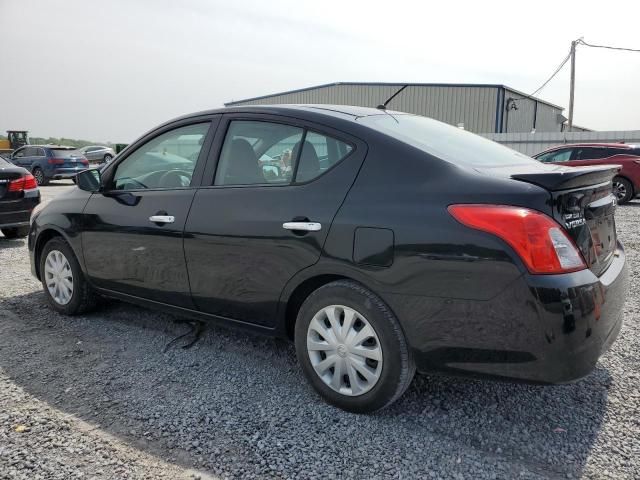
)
(175, 178)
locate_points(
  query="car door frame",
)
(208, 182)
(108, 172)
(214, 120)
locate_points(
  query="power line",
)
(582, 42)
(556, 71)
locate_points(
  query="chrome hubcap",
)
(619, 190)
(344, 350)
(39, 176)
(58, 277)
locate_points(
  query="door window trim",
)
(211, 168)
(197, 176)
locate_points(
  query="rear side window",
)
(258, 153)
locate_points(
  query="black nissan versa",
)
(379, 242)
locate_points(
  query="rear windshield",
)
(444, 141)
(66, 152)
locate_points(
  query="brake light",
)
(542, 244)
(84, 161)
(56, 161)
(27, 182)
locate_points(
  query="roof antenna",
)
(384, 105)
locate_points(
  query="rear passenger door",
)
(275, 185)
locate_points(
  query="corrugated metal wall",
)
(522, 119)
(532, 143)
(473, 106)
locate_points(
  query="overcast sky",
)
(111, 70)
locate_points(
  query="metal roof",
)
(397, 84)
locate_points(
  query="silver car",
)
(98, 154)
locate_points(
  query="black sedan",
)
(19, 194)
(381, 243)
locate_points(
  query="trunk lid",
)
(582, 201)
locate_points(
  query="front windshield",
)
(444, 141)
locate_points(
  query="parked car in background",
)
(626, 184)
(19, 194)
(395, 243)
(47, 162)
(98, 154)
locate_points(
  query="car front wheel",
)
(352, 348)
(63, 282)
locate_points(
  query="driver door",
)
(132, 235)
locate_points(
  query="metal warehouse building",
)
(477, 107)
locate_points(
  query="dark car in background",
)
(50, 162)
(626, 184)
(19, 194)
(98, 154)
(393, 243)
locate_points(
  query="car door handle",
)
(302, 226)
(162, 218)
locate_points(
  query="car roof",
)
(625, 146)
(338, 111)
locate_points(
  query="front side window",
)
(166, 161)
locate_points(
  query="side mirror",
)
(89, 180)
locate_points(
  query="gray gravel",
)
(97, 397)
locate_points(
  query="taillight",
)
(27, 182)
(84, 161)
(56, 161)
(540, 241)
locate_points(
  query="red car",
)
(626, 185)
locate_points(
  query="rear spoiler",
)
(570, 177)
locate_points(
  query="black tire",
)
(622, 189)
(398, 367)
(83, 298)
(107, 158)
(15, 232)
(40, 177)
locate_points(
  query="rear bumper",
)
(541, 329)
(16, 213)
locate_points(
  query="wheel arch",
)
(43, 237)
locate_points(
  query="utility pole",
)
(573, 82)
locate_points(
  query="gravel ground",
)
(96, 396)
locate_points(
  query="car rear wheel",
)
(352, 348)
(39, 176)
(64, 285)
(622, 189)
(15, 232)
